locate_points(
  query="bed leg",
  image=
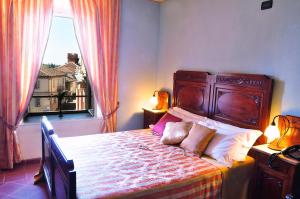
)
(39, 176)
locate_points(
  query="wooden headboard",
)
(242, 100)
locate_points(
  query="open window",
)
(62, 86)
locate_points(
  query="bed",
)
(134, 164)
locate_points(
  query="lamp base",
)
(274, 145)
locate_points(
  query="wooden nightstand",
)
(152, 116)
(276, 182)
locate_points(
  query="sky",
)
(62, 40)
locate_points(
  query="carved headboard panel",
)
(191, 91)
(242, 100)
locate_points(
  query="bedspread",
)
(134, 164)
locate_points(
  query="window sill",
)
(66, 117)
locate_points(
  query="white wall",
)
(137, 72)
(233, 36)
(29, 134)
(138, 60)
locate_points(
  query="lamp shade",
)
(272, 132)
(153, 101)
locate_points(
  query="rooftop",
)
(50, 72)
(68, 70)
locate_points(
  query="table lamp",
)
(273, 133)
(160, 100)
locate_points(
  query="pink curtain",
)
(97, 29)
(24, 29)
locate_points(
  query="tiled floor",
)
(18, 183)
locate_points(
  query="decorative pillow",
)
(198, 138)
(175, 132)
(159, 127)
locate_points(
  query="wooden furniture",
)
(276, 182)
(57, 169)
(152, 116)
(240, 99)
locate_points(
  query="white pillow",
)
(186, 116)
(226, 148)
(231, 144)
(175, 132)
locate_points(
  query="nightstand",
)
(152, 116)
(276, 182)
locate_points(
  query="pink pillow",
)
(159, 127)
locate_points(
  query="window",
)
(37, 85)
(62, 84)
(38, 102)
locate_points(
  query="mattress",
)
(134, 164)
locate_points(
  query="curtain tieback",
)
(112, 112)
(9, 126)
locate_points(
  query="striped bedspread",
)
(134, 164)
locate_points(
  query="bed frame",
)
(57, 170)
(240, 99)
